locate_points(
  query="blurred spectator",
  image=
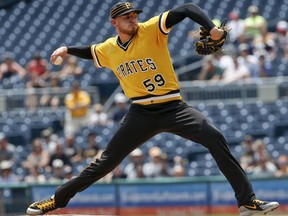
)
(247, 159)
(178, 169)
(10, 68)
(118, 173)
(121, 107)
(7, 150)
(157, 165)
(38, 67)
(77, 103)
(166, 170)
(98, 116)
(54, 81)
(49, 140)
(260, 150)
(134, 169)
(50, 97)
(249, 60)
(57, 175)
(283, 65)
(31, 100)
(59, 154)
(265, 46)
(255, 24)
(236, 72)
(237, 26)
(282, 164)
(91, 147)
(264, 52)
(6, 173)
(38, 156)
(70, 68)
(37, 72)
(281, 35)
(68, 173)
(70, 149)
(224, 59)
(264, 167)
(285, 56)
(35, 82)
(210, 69)
(34, 175)
(264, 67)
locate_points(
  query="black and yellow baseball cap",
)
(122, 8)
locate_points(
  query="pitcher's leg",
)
(247, 202)
(133, 132)
(214, 140)
(193, 125)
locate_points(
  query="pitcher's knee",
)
(216, 135)
(212, 132)
(212, 137)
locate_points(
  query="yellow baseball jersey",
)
(143, 66)
(72, 100)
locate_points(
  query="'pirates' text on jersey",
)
(143, 66)
(134, 66)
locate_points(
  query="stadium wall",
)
(185, 196)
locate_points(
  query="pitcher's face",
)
(126, 24)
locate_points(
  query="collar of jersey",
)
(125, 45)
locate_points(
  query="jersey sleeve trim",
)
(95, 57)
(162, 23)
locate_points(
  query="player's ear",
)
(113, 22)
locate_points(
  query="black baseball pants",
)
(143, 122)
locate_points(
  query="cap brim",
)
(129, 11)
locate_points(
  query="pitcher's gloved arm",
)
(191, 11)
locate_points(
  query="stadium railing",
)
(264, 89)
(13, 99)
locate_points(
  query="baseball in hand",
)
(58, 60)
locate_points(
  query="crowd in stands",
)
(252, 50)
(256, 159)
(55, 157)
(250, 53)
(38, 73)
(54, 160)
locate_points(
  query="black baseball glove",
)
(206, 45)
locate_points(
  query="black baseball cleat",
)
(42, 207)
(256, 206)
